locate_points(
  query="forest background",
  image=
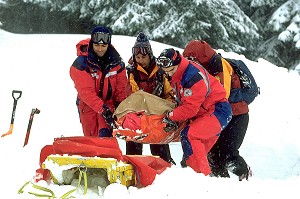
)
(268, 29)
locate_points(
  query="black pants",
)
(161, 150)
(224, 155)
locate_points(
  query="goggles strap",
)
(174, 56)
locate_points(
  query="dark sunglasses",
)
(101, 38)
(140, 50)
(164, 62)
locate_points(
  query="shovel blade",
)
(9, 131)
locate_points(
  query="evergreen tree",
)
(220, 23)
(96, 12)
(245, 6)
(256, 28)
(229, 28)
(279, 23)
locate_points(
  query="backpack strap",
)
(215, 64)
(159, 83)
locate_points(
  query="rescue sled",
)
(92, 163)
(71, 167)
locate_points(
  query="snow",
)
(39, 65)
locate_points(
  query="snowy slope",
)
(39, 66)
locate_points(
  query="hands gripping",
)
(170, 125)
(108, 117)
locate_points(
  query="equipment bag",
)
(249, 89)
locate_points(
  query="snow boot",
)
(246, 175)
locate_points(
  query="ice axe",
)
(16, 95)
(33, 111)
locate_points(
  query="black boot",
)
(134, 148)
(246, 175)
(163, 151)
(219, 172)
(183, 163)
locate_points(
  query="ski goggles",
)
(164, 62)
(101, 38)
(140, 50)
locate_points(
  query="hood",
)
(200, 50)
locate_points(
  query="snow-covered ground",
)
(39, 66)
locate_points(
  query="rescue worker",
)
(143, 74)
(99, 77)
(224, 155)
(201, 100)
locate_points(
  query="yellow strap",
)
(43, 189)
(85, 183)
(65, 196)
(83, 172)
(21, 189)
(41, 195)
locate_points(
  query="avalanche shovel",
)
(16, 95)
(33, 111)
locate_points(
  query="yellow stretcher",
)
(117, 172)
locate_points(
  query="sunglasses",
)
(101, 37)
(164, 62)
(140, 50)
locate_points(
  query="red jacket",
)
(218, 67)
(87, 72)
(197, 90)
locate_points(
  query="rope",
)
(82, 170)
(50, 196)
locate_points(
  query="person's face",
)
(143, 60)
(170, 70)
(100, 49)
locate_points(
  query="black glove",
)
(170, 125)
(108, 117)
(129, 69)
